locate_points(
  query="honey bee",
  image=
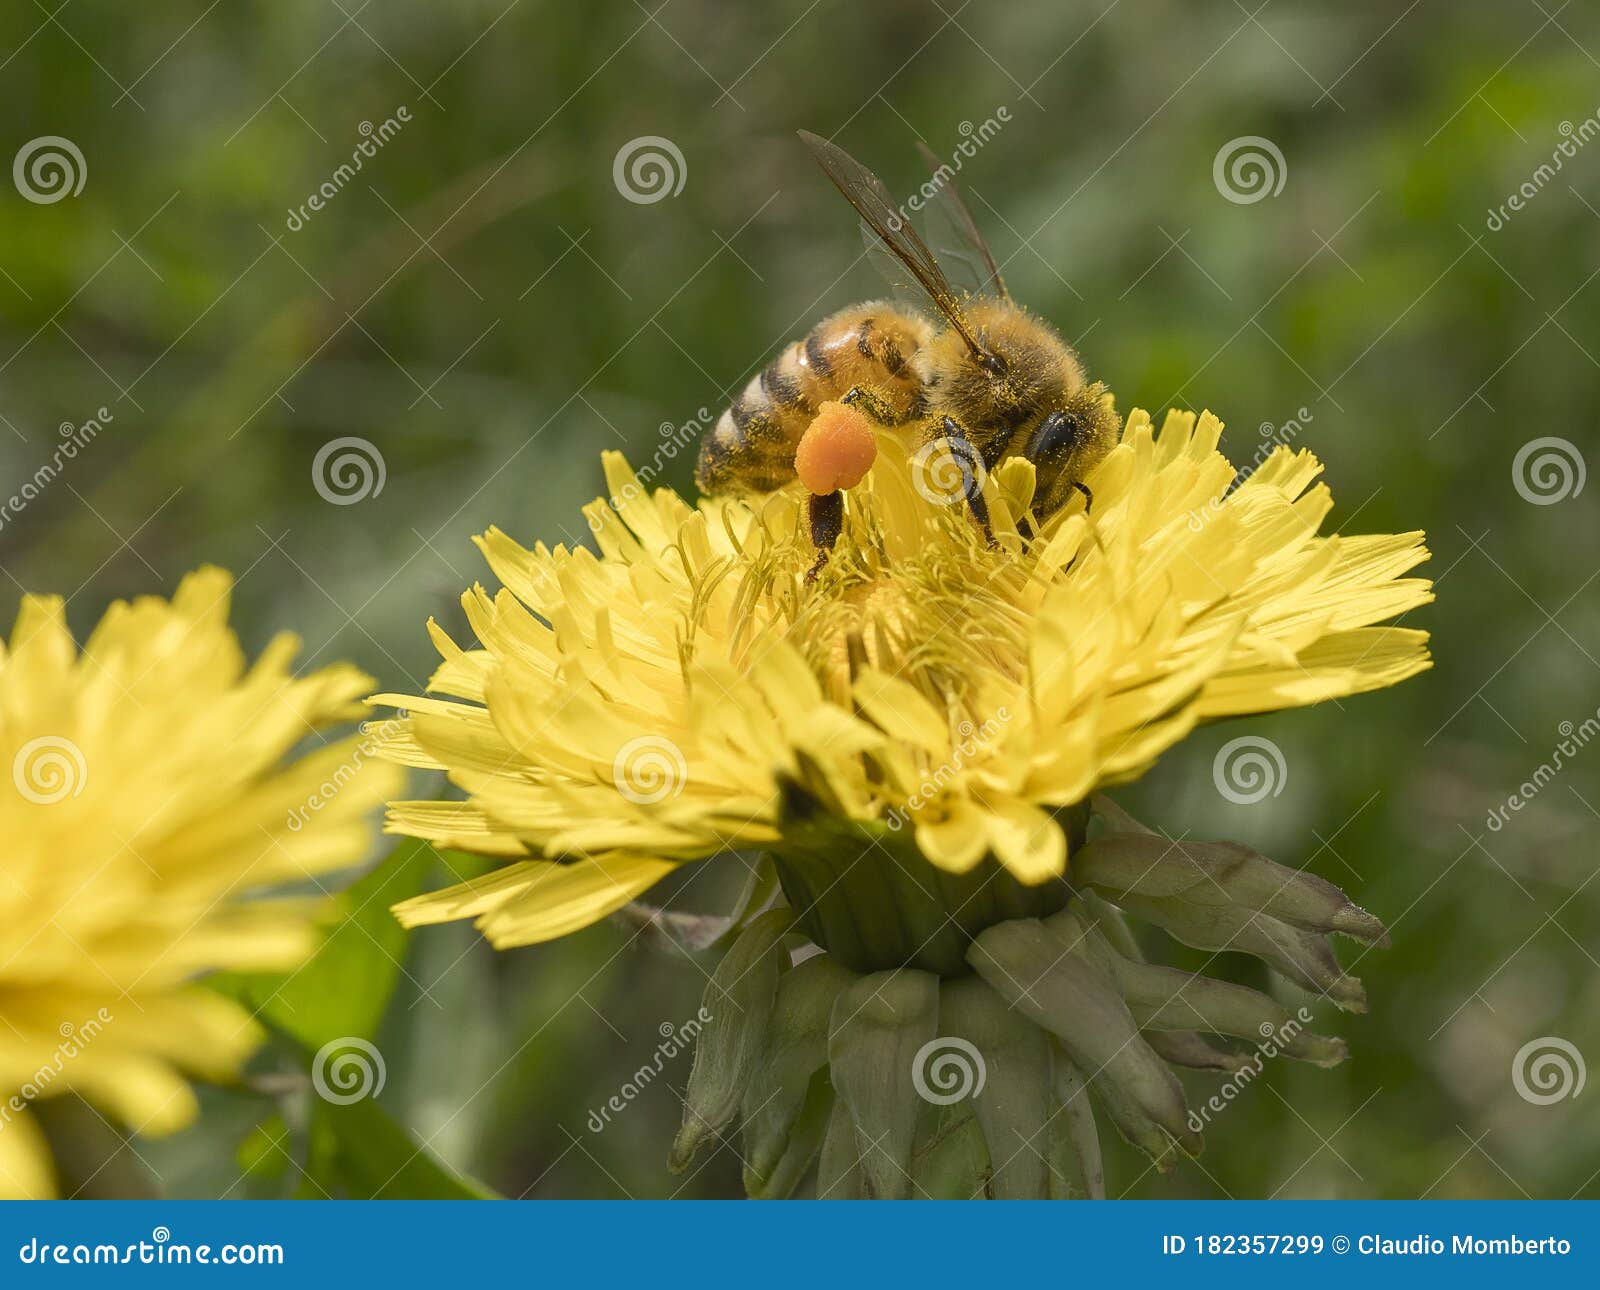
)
(982, 374)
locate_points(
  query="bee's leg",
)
(858, 396)
(1088, 497)
(968, 459)
(826, 513)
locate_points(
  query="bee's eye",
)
(993, 364)
(1058, 434)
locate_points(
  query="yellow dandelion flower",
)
(146, 806)
(686, 692)
(914, 739)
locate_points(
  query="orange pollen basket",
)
(836, 451)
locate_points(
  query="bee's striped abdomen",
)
(751, 448)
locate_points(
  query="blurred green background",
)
(482, 304)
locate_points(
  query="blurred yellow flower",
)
(687, 692)
(145, 802)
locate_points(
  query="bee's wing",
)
(954, 235)
(893, 271)
(865, 191)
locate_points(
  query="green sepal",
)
(1224, 896)
(1076, 1168)
(1054, 982)
(1013, 1105)
(802, 1141)
(796, 1049)
(950, 1160)
(1167, 999)
(740, 1000)
(839, 1175)
(1192, 1050)
(1217, 873)
(880, 1025)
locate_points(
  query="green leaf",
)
(354, 1147)
(345, 987)
(360, 1151)
(266, 1152)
